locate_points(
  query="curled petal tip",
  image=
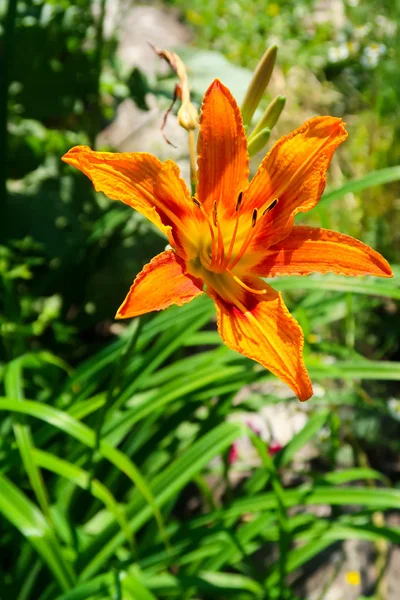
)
(71, 157)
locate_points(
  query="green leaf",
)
(82, 479)
(85, 435)
(166, 486)
(32, 524)
(357, 185)
(372, 286)
(13, 383)
(348, 475)
(356, 369)
(300, 439)
(99, 587)
(380, 498)
(133, 582)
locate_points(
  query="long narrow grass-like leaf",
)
(164, 487)
(301, 438)
(82, 479)
(371, 286)
(132, 582)
(380, 498)
(354, 186)
(32, 524)
(324, 535)
(356, 369)
(13, 383)
(211, 583)
(98, 587)
(84, 434)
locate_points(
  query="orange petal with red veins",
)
(143, 182)
(294, 171)
(314, 250)
(261, 328)
(222, 151)
(161, 283)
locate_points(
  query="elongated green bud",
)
(258, 84)
(258, 142)
(270, 116)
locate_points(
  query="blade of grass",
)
(13, 383)
(32, 524)
(165, 487)
(355, 369)
(84, 434)
(373, 179)
(284, 530)
(81, 478)
(389, 288)
(300, 439)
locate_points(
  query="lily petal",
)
(294, 171)
(261, 328)
(223, 161)
(313, 250)
(160, 284)
(143, 182)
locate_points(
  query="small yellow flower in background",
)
(234, 232)
(353, 577)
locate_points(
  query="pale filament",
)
(232, 244)
(244, 286)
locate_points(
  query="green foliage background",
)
(115, 476)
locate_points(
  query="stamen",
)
(231, 245)
(247, 240)
(221, 249)
(239, 201)
(197, 203)
(246, 287)
(214, 213)
(213, 244)
(252, 231)
(271, 206)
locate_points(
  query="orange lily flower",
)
(234, 232)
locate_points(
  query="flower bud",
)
(270, 116)
(258, 142)
(258, 84)
(188, 116)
